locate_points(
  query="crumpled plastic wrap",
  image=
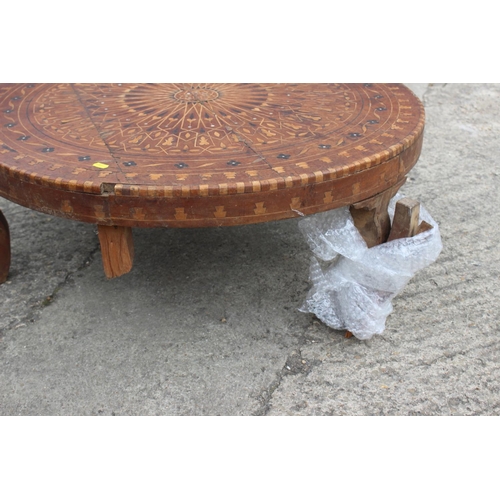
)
(353, 285)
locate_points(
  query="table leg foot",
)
(117, 249)
(4, 248)
(406, 220)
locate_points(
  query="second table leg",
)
(117, 249)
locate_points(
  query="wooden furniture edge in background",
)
(4, 248)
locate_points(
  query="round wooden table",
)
(194, 155)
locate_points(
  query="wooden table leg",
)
(371, 217)
(117, 249)
(4, 248)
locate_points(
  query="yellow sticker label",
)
(100, 165)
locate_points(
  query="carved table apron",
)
(197, 155)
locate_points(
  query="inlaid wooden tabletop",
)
(189, 155)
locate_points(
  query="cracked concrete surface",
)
(207, 321)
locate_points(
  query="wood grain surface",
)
(191, 155)
(117, 250)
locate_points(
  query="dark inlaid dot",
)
(283, 157)
(354, 134)
(10, 125)
(381, 109)
(130, 163)
(233, 163)
(181, 165)
(23, 137)
(83, 158)
(325, 146)
(47, 150)
(372, 122)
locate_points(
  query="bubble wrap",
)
(353, 285)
